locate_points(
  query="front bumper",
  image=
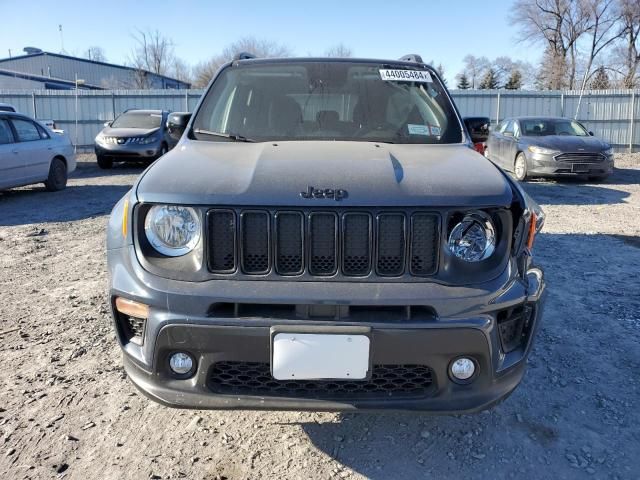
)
(129, 152)
(465, 324)
(547, 166)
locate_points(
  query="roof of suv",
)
(332, 60)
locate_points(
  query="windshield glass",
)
(138, 120)
(306, 100)
(539, 127)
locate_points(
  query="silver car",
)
(31, 153)
(548, 147)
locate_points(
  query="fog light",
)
(463, 368)
(180, 363)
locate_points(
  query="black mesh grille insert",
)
(391, 247)
(322, 258)
(222, 241)
(356, 234)
(252, 378)
(289, 252)
(424, 243)
(255, 242)
(343, 245)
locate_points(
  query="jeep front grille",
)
(322, 244)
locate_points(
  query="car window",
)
(540, 127)
(27, 131)
(516, 129)
(509, 128)
(43, 133)
(302, 100)
(144, 120)
(6, 135)
(502, 126)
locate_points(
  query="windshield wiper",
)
(230, 136)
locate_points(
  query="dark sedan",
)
(136, 135)
(548, 147)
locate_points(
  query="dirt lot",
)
(67, 409)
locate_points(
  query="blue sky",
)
(442, 31)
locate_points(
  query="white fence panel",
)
(610, 114)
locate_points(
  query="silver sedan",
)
(31, 153)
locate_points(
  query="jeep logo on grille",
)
(336, 193)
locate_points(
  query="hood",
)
(274, 174)
(129, 132)
(568, 143)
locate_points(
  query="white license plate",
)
(313, 356)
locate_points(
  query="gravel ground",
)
(67, 409)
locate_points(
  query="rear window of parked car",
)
(27, 131)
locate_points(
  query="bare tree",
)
(475, 67)
(603, 28)
(153, 53)
(339, 50)
(180, 71)
(559, 25)
(630, 21)
(204, 71)
(95, 53)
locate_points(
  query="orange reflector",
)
(125, 218)
(131, 308)
(532, 230)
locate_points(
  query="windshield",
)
(539, 127)
(306, 100)
(138, 120)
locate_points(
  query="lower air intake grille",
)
(252, 378)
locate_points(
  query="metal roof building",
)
(44, 69)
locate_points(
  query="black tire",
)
(520, 167)
(57, 179)
(104, 162)
(598, 178)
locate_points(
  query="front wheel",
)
(520, 167)
(57, 179)
(104, 162)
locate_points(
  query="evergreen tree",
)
(601, 80)
(489, 81)
(440, 70)
(515, 81)
(463, 82)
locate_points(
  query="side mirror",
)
(478, 129)
(177, 123)
(107, 124)
(591, 133)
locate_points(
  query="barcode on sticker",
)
(405, 76)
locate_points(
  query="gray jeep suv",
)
(324, 238)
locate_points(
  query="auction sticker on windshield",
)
(405, 76)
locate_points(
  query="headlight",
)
(542, 150)
(148, 140)
(172, 230)
(474, 238)
(608, 151)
